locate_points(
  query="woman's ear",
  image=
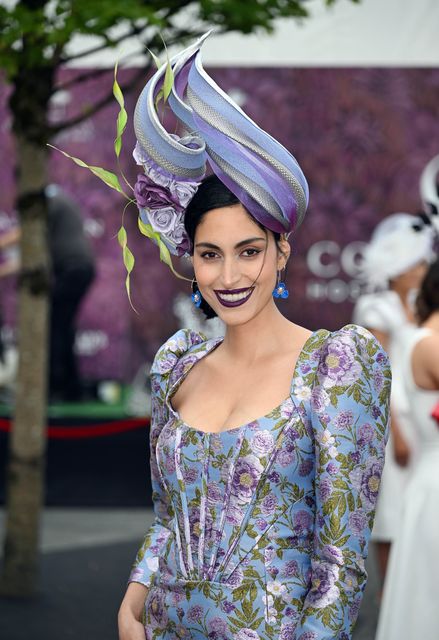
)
(284, 251)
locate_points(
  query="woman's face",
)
(236, 263)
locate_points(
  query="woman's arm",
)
(130, 613)
(350, 435)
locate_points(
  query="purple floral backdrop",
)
(362, 137)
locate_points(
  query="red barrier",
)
(71, 432)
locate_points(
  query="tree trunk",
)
(25, 471)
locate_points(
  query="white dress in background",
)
(383, 311)
(410, 606)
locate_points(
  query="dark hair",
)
(427, 301)
(211, 194)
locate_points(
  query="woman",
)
(409, 609)
(395, 262)
(267, 444)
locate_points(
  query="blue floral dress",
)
(262, 531)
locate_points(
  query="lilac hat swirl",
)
(263, 175)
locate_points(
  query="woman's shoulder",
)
(348, 354)
(175, 347)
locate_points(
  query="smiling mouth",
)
(233, 297)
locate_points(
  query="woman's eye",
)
(208, 255)
(251, 252)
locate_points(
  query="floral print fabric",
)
(262, 531)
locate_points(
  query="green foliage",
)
(35, 34)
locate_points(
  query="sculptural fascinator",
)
(262, 174)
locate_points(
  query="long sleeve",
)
(154, 543)
(350, 426)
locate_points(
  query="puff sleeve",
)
(349, 417)
(154, 543)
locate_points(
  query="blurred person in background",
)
(395, 262)
(409, 607)
(72, 271)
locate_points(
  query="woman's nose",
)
(231, 273)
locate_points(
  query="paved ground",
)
(86, 557)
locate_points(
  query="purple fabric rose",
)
(324, 590)
(152, 196)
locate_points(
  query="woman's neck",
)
(262, 335)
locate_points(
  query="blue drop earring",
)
(196, 295)
(280, 290)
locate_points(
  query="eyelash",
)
(207, 254)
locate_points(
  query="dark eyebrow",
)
(209, 245)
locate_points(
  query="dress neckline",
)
(212, 344)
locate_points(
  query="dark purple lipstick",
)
(242, 295)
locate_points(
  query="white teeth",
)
(233, 297)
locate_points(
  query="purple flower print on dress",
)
(305, 467)
(137, 575)
(190, 475)
(290, 569)
(354, 609)
(261, 524)
(366, 434)
(324, 590)
(182, 366)
(344, 420)
(325, 489)
(371, 482)
(269, 504)
(246, 477)
(285, 458)
(214, 493)
(236, 578)
(269, 554)
(287, 631)
(274, 477)
(339, 366)
(262, 443)
(319, 399)
(195, 613)
(302, 521)
(287, 409)
(157, 608)
(228, 606)
(164, 362)
(308, 635)
(247, 634)
(234, 514)
(332, 468)
(358, 521)
(217, 628)
(332, 553)
(378, 380)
